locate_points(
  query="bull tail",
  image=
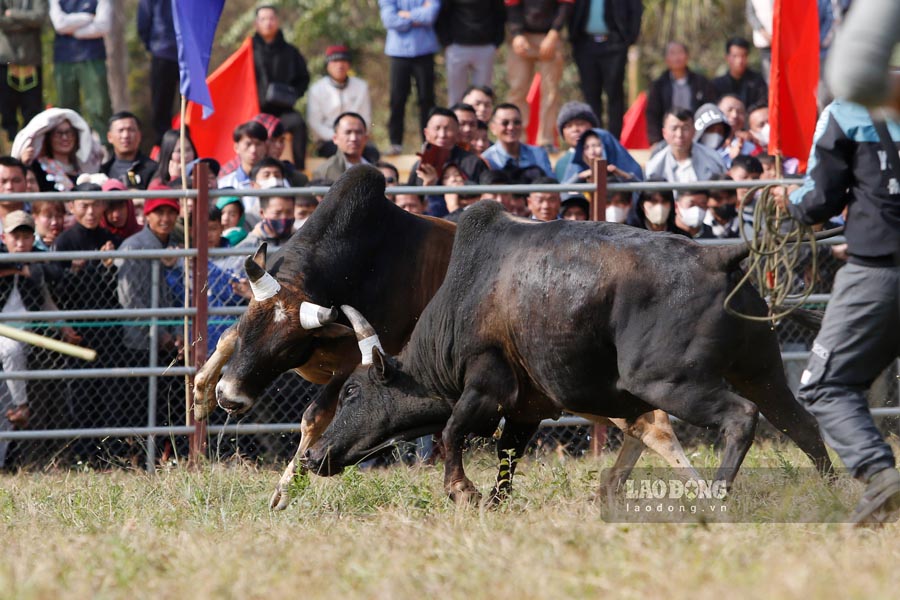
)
(810, 319)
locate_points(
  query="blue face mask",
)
(280, 227)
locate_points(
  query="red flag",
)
(233, 90)
(794, 78)
(534, 109)
(634, 125)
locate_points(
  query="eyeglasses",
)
(512, 122)
(62, 133)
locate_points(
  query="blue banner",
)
(195, 30)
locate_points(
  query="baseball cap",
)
(337, 52)
(151, 204)
(16, 219)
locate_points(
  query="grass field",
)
(392, 534)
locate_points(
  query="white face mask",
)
(616, 214)
(712, 140)
(657, 214)
(269, 183)
(693, 216)
(763, 135)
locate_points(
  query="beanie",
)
(576, 110)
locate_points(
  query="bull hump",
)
(480, 216)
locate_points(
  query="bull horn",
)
(366, 337)
(313, 316)
(263, 285)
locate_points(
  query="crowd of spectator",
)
(701, 130)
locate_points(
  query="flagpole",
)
(186, 274)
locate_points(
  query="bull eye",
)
(351, 391)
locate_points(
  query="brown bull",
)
(357, 248)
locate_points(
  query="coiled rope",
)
(776, 249)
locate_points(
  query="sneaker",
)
(880, 500)
(394, 150)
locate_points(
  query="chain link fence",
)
(137, 381)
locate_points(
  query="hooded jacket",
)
(615, 154)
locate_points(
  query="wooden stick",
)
(41, 341)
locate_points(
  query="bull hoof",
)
(465, 494)
(202, 402)
(496, 498)
(280, 499)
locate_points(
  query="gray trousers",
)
(860, 336)
(463, 59)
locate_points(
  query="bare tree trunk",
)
(117, 58)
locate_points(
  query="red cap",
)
(113, 185)
(151, 204)
(337, 53)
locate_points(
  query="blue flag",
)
(195, 29)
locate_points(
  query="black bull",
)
(595, 319)
(357, 248)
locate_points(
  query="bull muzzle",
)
(230, 399)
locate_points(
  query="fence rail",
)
(156, 407)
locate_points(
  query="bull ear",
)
(384, 368)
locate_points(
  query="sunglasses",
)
(513, 122)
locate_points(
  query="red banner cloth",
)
(794, 79)
(233, 90)
(634, 125)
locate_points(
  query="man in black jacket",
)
(601, 32)
(470, 32)
(853, 166)
(678, 87)
(740, 80)
(281, 78)
(128, 164)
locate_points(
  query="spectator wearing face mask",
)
(711, 129)
(721, 214)
(304, 207)
(617, 206)
(275, 227)
(758, 125)
(690, 212)
(654, 211)
(268, 173)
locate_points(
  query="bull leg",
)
(653, 430)
(489, 384)
(206, 378)
(316, 418)
(706, 404)
(510, 449)
(778, 405)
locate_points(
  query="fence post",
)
(598, 197)
(598, 213)
(152, 386)
(200, 332)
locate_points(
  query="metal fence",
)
(129, 408)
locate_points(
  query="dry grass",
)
(392, 534)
